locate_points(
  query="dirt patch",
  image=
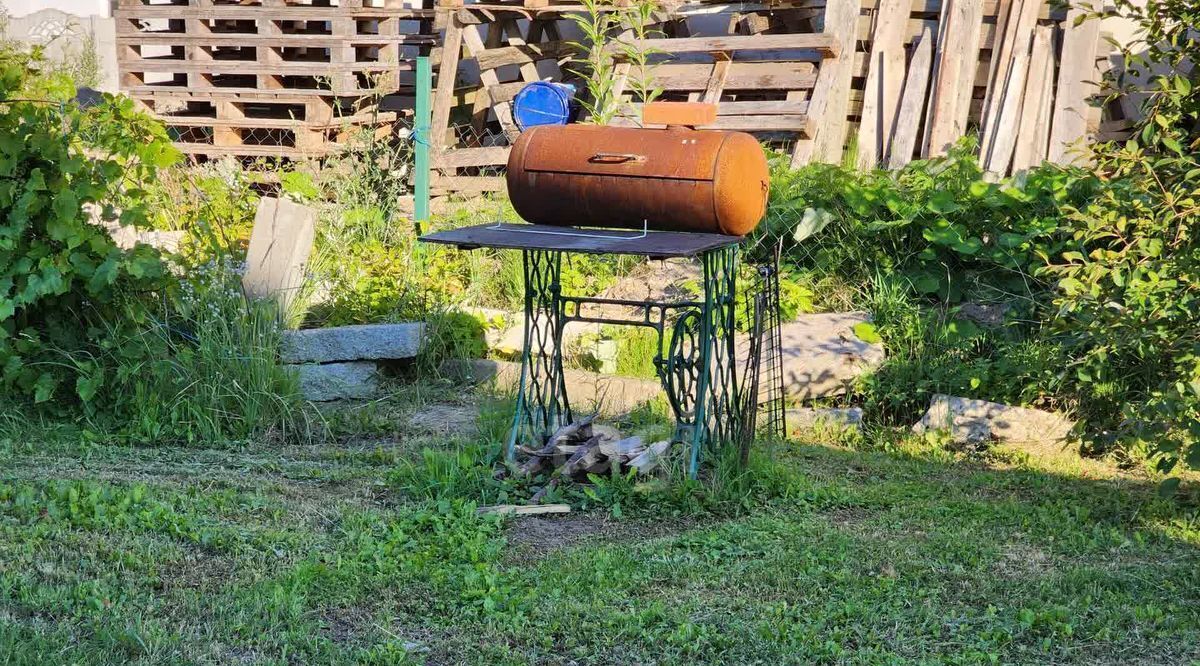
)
(449, 420)
(1019, 560)
(345, 626)
(545, 534)
(847, 516)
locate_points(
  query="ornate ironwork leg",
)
(718, 412)
(542, 405)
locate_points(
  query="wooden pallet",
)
(279, 78)
(760, 83)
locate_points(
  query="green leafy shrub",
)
(938, 224)
(61, 274)
(1129, 277)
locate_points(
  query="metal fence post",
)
(421, 141)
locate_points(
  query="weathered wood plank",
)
(912, 104)
(823, 44)
(523, 54)
(885, 78)
(523, 510)
(831, 93)
(1068, 125)
(1034, 134)
(443, 96)
(954, 75)
(1017, 42)
(472, 157)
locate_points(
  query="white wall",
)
(17, 8)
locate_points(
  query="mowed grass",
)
(326, 554)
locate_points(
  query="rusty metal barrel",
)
(672, 179)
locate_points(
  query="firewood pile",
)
(582, 448)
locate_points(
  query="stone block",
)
(338, 381)
(367, 342)
(280, 245)
(976, 421)
(807, 419)
(823, 357)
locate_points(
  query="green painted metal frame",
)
(697, 363)
(420, 133)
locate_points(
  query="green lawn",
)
(327, 554)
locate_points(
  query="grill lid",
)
(675, 153)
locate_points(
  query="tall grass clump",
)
(205, 367)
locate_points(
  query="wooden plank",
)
(523, 510)
(529, 70)
(954, 75)
(1034, 133)
(134, 38)
(1002, 15)
(443, 96)
(885, 78)
(240, 12)
(741, 76)
(797, 122)
(472, 157)
(831, 93)
(503, 110)
(912, 103)
(824, 44)
(998, 157)
(716, 83)
(305, 69)
(1068, 125)
(523, 54)
(1018, 39)
(470, 184)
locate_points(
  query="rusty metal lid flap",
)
(673, 153)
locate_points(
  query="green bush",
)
(939, 225)
(60, 274)
(1128, 304)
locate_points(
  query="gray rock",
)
(984, 314)
(338, 381)
(976, 421)
(459, 420)
(823, 357)
(807, 419)
(352, 343)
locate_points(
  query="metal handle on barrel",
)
(616, 158)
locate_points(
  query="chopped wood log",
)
(621, 447)
(577, 431)
(537, 460)
(545, 490)
(587, 455)
(650, 458)
(523, 510)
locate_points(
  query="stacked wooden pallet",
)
(270, 78)
(765, 84)
(760, 83)
(1018, 72)
(510, 47)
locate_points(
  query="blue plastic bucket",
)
(544, 103)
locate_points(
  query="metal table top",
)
(653, 244)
